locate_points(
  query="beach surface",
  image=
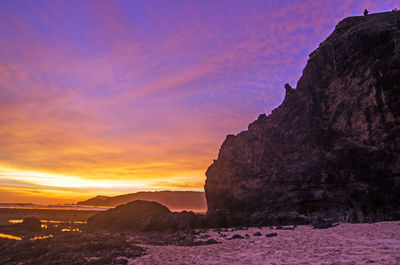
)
(376, 243)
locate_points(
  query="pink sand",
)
(377, 243)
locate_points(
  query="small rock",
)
(237, 236)
(212, 241)
(271, 234)
(31, 224)
(257, 234)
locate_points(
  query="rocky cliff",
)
(331, 149)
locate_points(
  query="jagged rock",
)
(144, 216)
(331, 149)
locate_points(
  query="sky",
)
(113, 97)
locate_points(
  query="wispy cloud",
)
(143, 93)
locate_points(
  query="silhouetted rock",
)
(237, 236)
(207, 242)
(257, 234)
(271, 234)
(67, 248)
(331, 149)
(144, 216)
(31, 224)
(136, 215)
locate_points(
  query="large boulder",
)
(31, 224)
(143, 216)
(331, 149)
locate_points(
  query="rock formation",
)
(143, 216)
(70, 248)
(31, 224)
(331, 149)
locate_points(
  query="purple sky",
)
(109, 97)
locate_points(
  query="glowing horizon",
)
(114, 97)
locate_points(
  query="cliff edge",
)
(331, 149)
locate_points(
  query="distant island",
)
(175, 200)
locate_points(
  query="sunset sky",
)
(113, 97)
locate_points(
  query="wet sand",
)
(377, 243)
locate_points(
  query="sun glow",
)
(57, 180)
(38, 186)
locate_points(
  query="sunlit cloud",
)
(61, 181)
(110, 97)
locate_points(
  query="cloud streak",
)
(139, 95)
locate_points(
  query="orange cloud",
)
(113, 97)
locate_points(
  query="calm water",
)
(63, 226)
(10, 236)
(66, 226)
(52, 207)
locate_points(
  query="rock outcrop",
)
(332, 148)
(143, 216)
(70, 248)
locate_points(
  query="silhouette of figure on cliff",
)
(366, 12)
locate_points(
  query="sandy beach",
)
(377, 243)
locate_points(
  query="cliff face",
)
(332, 148)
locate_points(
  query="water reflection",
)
(71, 230)
(41, 237)
(48, 226)
(10, 236)
(17, 221)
